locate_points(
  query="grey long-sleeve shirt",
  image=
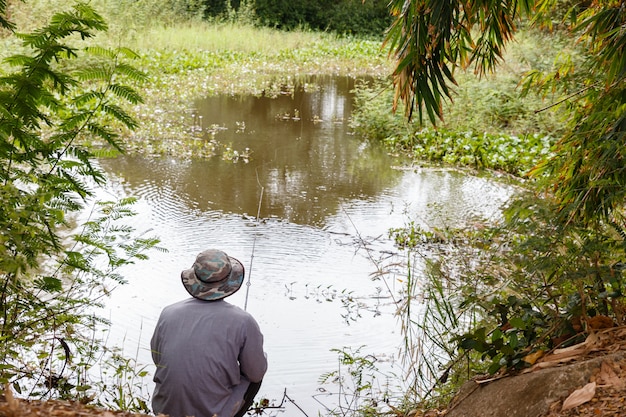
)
(206, 354)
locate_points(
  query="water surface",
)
(326, 200)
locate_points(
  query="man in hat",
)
(208, 353)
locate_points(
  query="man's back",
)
(206, 353)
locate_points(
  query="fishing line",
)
(258, 214)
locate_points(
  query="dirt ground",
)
(54, 408)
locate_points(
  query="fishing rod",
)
(261, 407)
(258, 214)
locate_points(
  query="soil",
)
(11, 407)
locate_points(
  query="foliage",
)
(551, 272)
(52, 278)
(508, 154)
(214, 8)
(358, 17)
(242, 13)
(500, 296)
(502, 152)
(359, 388)
(122, 383)
(585, 174)
(290, 15)
(428, 39)
(489, 124)
(588, 176)
(354, 17)
(124, 18)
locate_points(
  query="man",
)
(208, 353)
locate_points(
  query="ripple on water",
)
(310, 287)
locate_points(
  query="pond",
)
(306, 207)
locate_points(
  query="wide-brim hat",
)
(213, 276)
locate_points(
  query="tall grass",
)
(204, 36)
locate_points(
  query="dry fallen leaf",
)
(600, 322)
(532, 357)
(608, 376)
(580, 396)
(10, 399)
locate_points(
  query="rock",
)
(528, 394)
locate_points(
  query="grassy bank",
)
(204, 60)
(186, 58)
(487, 125)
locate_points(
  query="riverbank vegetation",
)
(550, 273)
(499, 296)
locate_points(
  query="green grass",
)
(219, 37)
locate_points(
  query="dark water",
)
(326, 200)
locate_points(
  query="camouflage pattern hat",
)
(213, 276)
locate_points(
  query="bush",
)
(340, 16)
(53, 273)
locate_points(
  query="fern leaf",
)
(90, 97)
(77, 120)
(128, 53)
(93, 74)
(119, 114)
(101, 52)
(106, 153)
(106, 134)
(127, 93)
(131, 72)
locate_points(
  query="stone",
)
(529, 394)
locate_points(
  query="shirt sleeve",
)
(252, 358)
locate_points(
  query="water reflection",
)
(325, 194)
(301, 153)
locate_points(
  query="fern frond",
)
(101, 52)
(106, 153)
(93, 74)
(128, 53)
(82, 20)
(131, 72)
(127, 93)
(76, 121)
(106, 134)
(76, 185)
(62, 137)
(90, 97)
(119, 114)
(4, 22)
(76, 260)
(17, 60)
